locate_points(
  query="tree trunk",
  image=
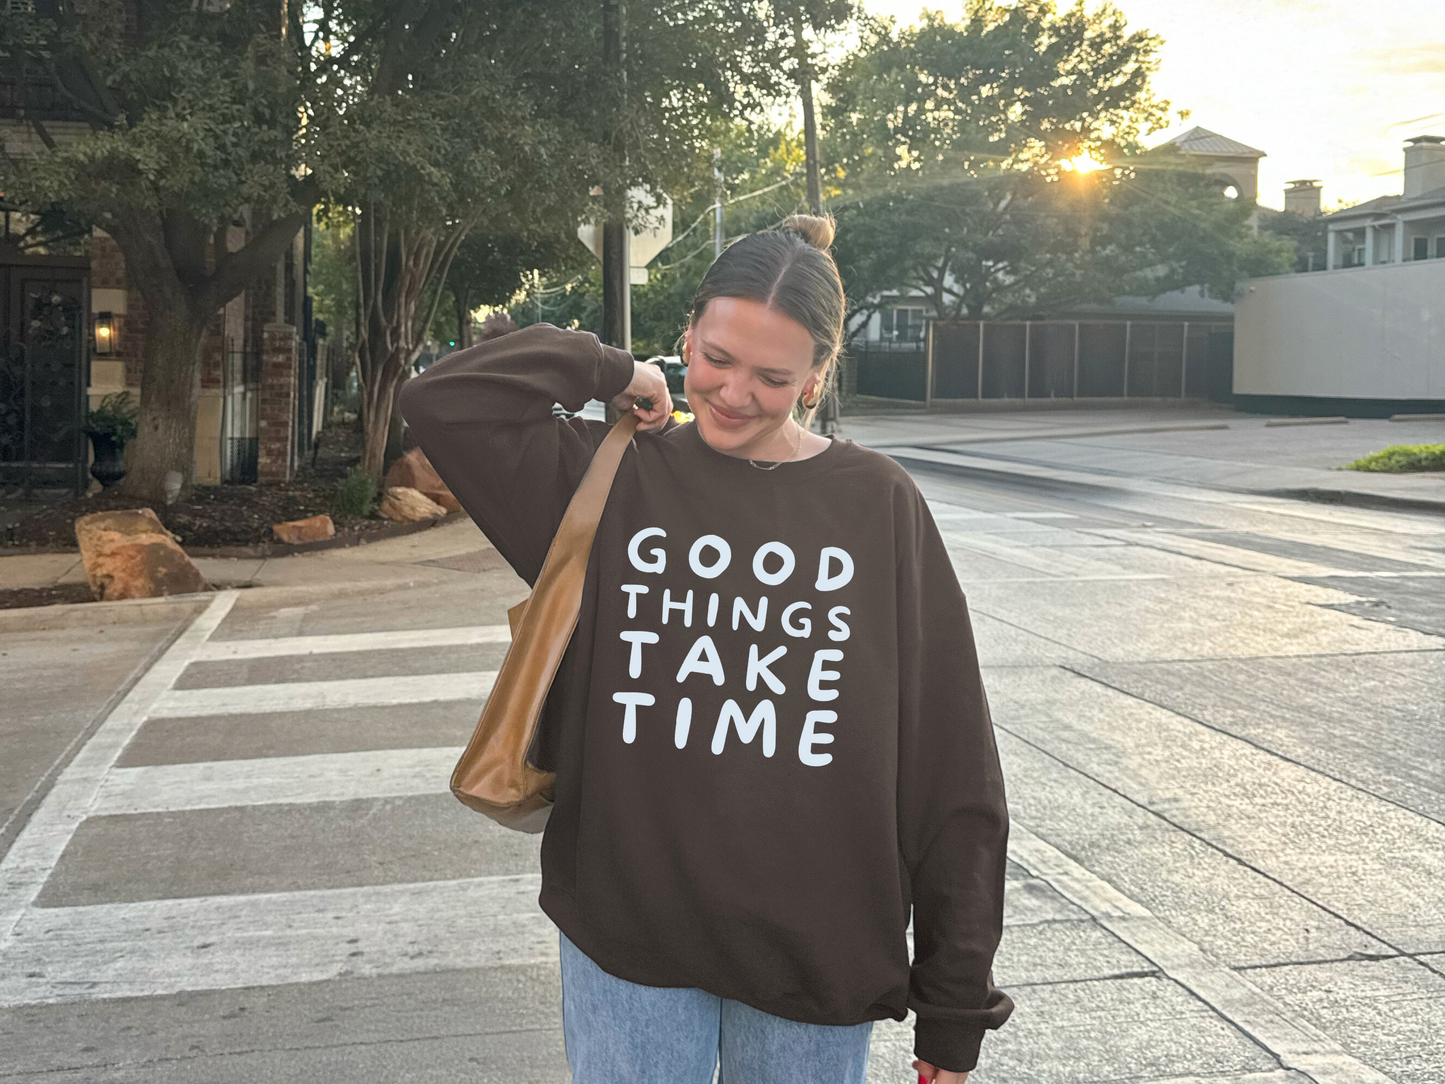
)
(170, 397)
(376, 417)
(464, 321)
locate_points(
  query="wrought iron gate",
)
(44, 371)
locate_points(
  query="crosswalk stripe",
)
(319, 777)
(304, 935)
(223, 942)
(306, 695)
(38, 847)
(1047, 559)
(356, 641)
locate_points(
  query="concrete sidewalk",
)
(1214, 448)
(432, 556)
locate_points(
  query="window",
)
(903, 324)
(1421, 249)
(1440, 246)
(1358, 258)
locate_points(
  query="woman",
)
(769, 733)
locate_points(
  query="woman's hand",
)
(937, 1075)
(648, 382)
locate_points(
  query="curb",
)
(115, 612)
(286, 549)
(1357, 499)
(273, 549)
(1067, 434)
(1312, 494)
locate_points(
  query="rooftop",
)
(1202, 141)
(1389, 205)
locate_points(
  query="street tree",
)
(195, 115)
(996, 165)
(489, 131)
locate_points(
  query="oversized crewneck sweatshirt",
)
(769, 732)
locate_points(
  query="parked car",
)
(673, 371)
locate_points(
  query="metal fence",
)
(240, 448)
(890, 370)
(1051, 359)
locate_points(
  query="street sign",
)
(651, 232)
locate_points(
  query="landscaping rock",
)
(415, 471)
(402, 503)
(130, 554)
(310, 529)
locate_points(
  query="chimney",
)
(1303, 198)
(1424, 165)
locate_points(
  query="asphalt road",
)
(231, 854)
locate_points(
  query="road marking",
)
(980, 514)
(357, 641)
(319, 777)
(224, 942)
(305, 695)
(273, 938)
(1294, 1041)
(1334, 516)
(1048, 559)
(41, 842)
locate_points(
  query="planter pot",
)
(109, 465)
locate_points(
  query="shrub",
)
(1402, 457)
(114, 417)
(356, 493)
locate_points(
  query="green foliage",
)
(114, 417)
(332, 277)
(356, 494)
(1398, 458)
(207, 118)
(953, 137)
(1307, 237)
(764, 183)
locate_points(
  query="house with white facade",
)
(1366, 335)
(1396, 229)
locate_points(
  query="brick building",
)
(73, 328)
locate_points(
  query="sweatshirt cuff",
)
(614, 372)
(947, 1044)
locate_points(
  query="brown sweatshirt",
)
(769, 731)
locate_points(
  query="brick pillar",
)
(276, 403)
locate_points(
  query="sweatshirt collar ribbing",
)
(686, 435)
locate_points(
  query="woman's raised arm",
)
(484, 418)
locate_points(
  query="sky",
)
(1328, 89)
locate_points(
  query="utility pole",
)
(810, 127)
(717, 232)
(616, 274)
(827, 416)
(616, 259)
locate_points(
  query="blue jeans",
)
(618, 1032)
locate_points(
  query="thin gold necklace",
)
(780, 462)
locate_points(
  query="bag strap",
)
(558, 588)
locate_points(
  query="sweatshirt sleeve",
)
(953, 821)
(483, 416)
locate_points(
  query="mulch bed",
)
(231, 515)
(212, 516)
(15, 598)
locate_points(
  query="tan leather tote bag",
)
(493, 776)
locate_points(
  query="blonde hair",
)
(788, 268)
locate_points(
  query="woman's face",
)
(747, 364)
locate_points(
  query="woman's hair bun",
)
(817, 230)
